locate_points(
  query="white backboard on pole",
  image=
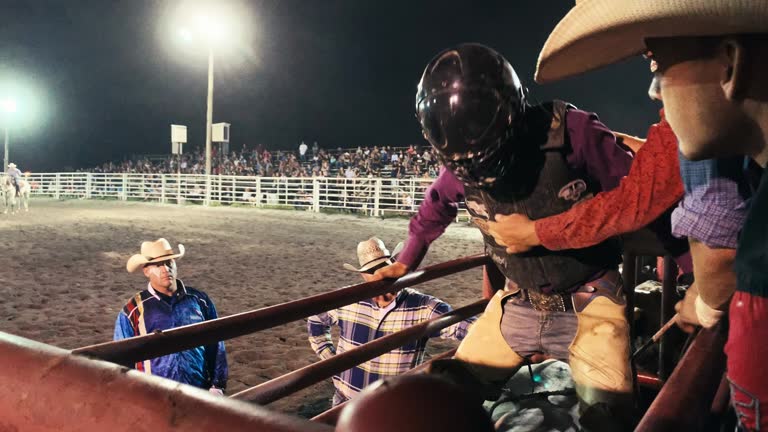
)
(178, 134)
(220, 132)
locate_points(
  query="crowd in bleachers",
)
(388, 162)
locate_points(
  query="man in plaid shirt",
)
(367, 320)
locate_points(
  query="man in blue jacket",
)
(165, 304)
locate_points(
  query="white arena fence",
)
(370, 196)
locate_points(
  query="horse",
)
(9, 198)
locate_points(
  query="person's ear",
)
(145, 269)
(734, 77)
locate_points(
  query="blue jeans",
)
(528, 331)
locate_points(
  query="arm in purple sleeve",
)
(436, 212)
(595, 149)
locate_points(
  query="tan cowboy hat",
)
(371, 253)
(151, 252)
(596, 33)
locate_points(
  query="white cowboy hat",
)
(597, 33)
(156, 251)
(11, 165)
(371, 253)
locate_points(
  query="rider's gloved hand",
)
(392, 271)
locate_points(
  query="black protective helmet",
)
(468, 102)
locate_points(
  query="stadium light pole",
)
(209, 28)
(209, 113)
(8, 107)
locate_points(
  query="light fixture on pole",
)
(209, 113)
(8, 107)
(210, 24)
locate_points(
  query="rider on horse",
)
(15, 176)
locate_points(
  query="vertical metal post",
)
(88, 185)
(218, 187)
(258, 191)
(315, 195)
(233, 196)
(668, 287)
(162, 188)
(377, 197)
(345, 192)
(57, 187)
(413, 194)
(125, 187)
(178, 176)
(629, 278)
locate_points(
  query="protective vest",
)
(542, 184)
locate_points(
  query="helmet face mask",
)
(481, 172)
(467, 102)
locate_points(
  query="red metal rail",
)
(685, 401)
(46, 389)
(291, 382)
(129, 351)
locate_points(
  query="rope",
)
(517, 398)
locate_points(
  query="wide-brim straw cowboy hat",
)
(371, 253)
(597, 33)
(152, 252)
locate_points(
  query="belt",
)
(545, 302)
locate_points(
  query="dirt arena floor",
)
(63, 277)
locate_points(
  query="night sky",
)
(99, 80)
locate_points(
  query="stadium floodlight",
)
(186, 35)
(213, 25)
(8, 105)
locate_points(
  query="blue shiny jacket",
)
(149, 311)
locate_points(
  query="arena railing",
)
(51, 390)
(140, 348)
(694, 397)
(299, 379)
(135, 349)
(331, 416)
(65, 383)
(701, 368)
(370, 196)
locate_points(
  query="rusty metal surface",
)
(683, 404)
(649, 381)
(330, 416)
(46, 389)
(423, 367)
(301, 378)
(722, 399)
(668, 299)
(129, 351)
(629, 279)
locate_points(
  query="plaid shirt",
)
(715, 204)
(363, 322)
